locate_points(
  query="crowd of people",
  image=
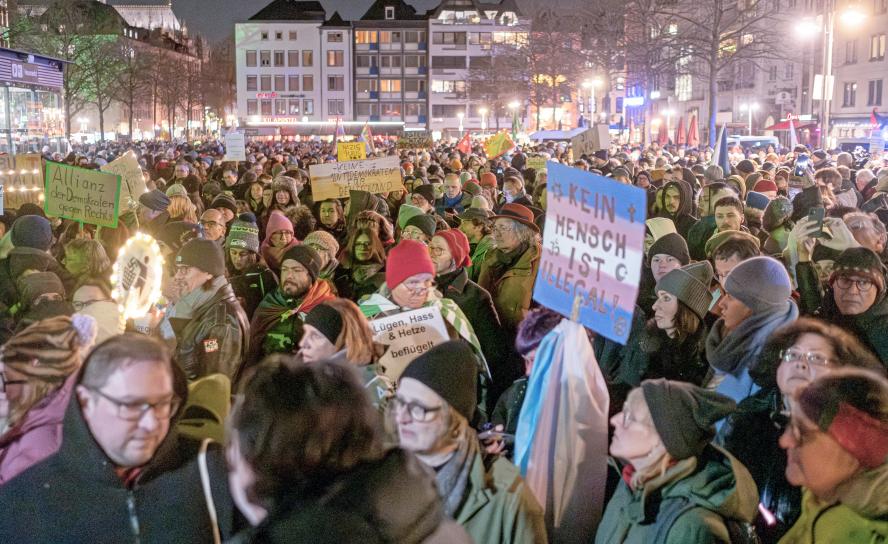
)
(254, 403)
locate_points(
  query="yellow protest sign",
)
(336, 179)
(132, 185)
(537, 163)
(82, 195)
(351, 151)
(498, 145)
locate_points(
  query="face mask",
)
(508, 196)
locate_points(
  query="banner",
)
(132, 184)
(22, 177)
(415, 139)
(351, 151)
(593, 246)
(407, 335)
(498, 145)
(88, 196)
(336, 179)
(235, 147)
(537, 163)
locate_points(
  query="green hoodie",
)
(716, 483)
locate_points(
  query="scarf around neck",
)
(738, 351)
(452, 478)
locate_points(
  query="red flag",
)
(693, 134)
(465, 145)
(680, 132)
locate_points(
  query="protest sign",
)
(132, 184)
(22, 178)
(351, 151)
(591, 140)
(415, 139)
(137, 276)
(498, 144)
(88, 196)
(336, 179)
(537, 163)
(592, 250)
(408, 335)
(235, 147)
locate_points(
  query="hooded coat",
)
(683, 218)
(21, 259)
(510, 284)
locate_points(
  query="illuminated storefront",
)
(32, 113)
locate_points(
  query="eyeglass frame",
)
(399, 404)
(4, 382)
(174, 403)
(207, 224)
(80, 305)
(414, 288)
(786, 353)
(848, 282)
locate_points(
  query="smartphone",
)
(499, 171)
(801, 166)
(497, 435)
(816, 215)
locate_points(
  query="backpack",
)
(739, 532)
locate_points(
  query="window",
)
(280, 83)
(877, 47)
(448, 62)
(366, 108)
(251, 83)
(280, 107)
(788, 70)
(448, 110)
(414, 36)
(265, 83)
(307, 58)
(366, 85)
(390, 61)
(292, 58)
(293, 106)
(263, 35)
(390, 85)
(414, 61)
(391, 109)
(389, 37)
(849, 95)
(445, 86)
(335, 107)
(278, 35)
(335, 83)
(414, 85)
(772, 73)
(266, 107)
(874, 93)
(481, 63)
(449, 38)
(308, 107)
(850, 51)
(251, 58)
(334, 37)
(484, 39)
(252, 107)
(292, 35)
(365, 36)
(880, 6)
(264, 58)
(365, 61)
(415, 109)
(278, 58)
(335, 58)
(389, 13)
(308, 83)
(293, 83)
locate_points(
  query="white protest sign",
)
(235, 147)
(408, 335)
(132, 184)
(336, 179)
(593, 139)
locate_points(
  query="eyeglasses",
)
(811, 358)
(134, 411)
(282, 234)
(503, 229)
(210, 224)
(4, 382)
(417, 411)
(436, 250)
(627, 418)
(419, 286)
(81, 304)
(863, 285)
(800, 435)
(362, 244)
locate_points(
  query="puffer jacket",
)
(704, 490)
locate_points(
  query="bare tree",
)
(101, 73)
(132, 77)
(219, 77)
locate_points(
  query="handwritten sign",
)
(591, 140)
(132, 184)
(498, 145)
(336, 179)
(83, 195)
(235, 147)
(415, 139)
(537, 163)
(593, 245)
(22, 176)
(407, 335)
(351, 151)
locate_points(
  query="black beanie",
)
(307, 257)
(31, 231)
(684, 414)
(450, 370)
(426, 191)
(224, 201)
(424, 222)
(204, 255)
(670, 244)
(327, 320)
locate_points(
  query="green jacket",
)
(478, 255)
(511, 289)
(717, 484)
(499, 507)
(859, 516)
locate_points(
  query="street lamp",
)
(749, 108)
(483, 112)
(590, 85)
(460, 116)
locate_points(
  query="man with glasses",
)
(123, 473)
(868, 230)
(213, 225)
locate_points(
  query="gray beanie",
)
(31, 231)
(761, 283)
(243, 235)
(690, 285)
(714, 173)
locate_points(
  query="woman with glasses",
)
(675, 486)
(362, 263)
(279, 237)
(837, 451)
(37, 374)
(792, 358)
(435, 400)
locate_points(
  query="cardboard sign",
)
(132, 184)
(89, 196)
(336, 179)
(537, 163)
(593, 246)
(416, 139)
(408, 335)
(22, 176)
(351, 151)
(498, 145)
(591, 140)
(235, 147)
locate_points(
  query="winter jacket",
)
(624, 364)
(215, 337)
(683, 218)
(37, 435)
(362, 200)
(251, 286)
(858, 516)
(666, 358)
(348, 286)
(392, 500)
(698, 235)
(75, 495)
(479, 253)
(810, 197)
(21, 259)
(464, 202)
(714, 487)
(509, 280)
(508, 407)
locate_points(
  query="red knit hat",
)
(407, 259)
(458, 245)
(488, 179)
(764, 186)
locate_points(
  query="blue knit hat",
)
(31, 231)
(761, 283)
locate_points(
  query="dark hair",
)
(316, 209)
(301, 426)
(828, 175)
(687, 323)
(859, 388)
(849, 350)
(741, 247)
(377, 250)
(732, 201)
(537, 324)
(303, 221)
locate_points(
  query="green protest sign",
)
(87, 196)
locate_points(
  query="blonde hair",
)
(640, 411)
(356, 336)
(182, 209)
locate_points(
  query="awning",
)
(784, 125)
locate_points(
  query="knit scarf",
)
(452, 477)
(502, 261)
(278, 306)
(455, 202)
(738, 352)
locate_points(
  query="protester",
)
(92, 297)
(279, 238)
(86, 257)
(331, 219)
(31, 238)
(361, 269)
(475, 224)
(213, 224)
(250, 277)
